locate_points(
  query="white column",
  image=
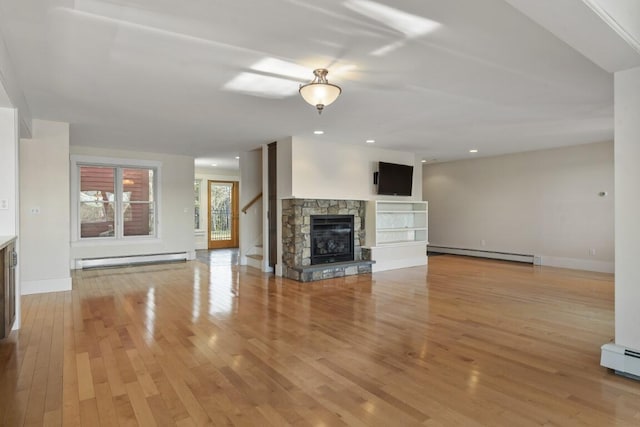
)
(9, 196)
(627, 208)
(45, 209)
(8, 172)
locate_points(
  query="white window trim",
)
(79, 160)
(200, 231)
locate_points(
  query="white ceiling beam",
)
(11, 93)
(598, 29)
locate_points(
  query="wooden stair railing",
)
(248, 205)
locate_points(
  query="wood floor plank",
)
(85, 377)
(462, 342)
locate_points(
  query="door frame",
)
(235, 216)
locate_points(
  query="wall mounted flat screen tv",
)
(394, 179)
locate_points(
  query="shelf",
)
(396, 223)
(397, 233)
(403, 243)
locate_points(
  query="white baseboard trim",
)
(43, 286)
(135, 259)
(505, 256)
(548, 261)
(578, 264)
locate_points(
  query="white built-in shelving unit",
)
(397, 233)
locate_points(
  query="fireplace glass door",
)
(331, 238)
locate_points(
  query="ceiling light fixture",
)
(473, 151)
(370, 141)
(237, 157)
(318, 132)
(319, 92)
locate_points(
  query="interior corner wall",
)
(44, 209)
(627, 206)
(176, 199)
(201, 236)
(544, 203)
(284, 190)
(284, 168)
(251, 221)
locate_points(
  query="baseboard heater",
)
(86, 263)
(623, 361)
(506, 256)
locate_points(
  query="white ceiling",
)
(433, 77)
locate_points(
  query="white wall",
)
(325, 170)
(250, 222)
(44, 209)
(9, 171)
(543, 203)
(205, 175)
(9, 179)
(627, 206)
(175, 211)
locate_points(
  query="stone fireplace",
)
(334, 250)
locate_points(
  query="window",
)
(196, 190)
(116, 202)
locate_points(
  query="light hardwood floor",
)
(464, 342)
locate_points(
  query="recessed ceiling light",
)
(370, 141)
(237, 157)
(318, 132)
(424, 161)
(214, 164)
(473, 151)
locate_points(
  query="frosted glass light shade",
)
(320, 92)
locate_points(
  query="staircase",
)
(254, 257)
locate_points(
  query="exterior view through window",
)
(117, 202)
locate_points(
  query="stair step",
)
(256, 250)
(254, 261)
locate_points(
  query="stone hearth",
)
(296, 238)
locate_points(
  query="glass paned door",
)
(223, 214)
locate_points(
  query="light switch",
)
(4, 204)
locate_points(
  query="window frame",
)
(199, 181)
(119, 164)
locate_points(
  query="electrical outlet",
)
(4, 204)
(35, 210)
(592, 252)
